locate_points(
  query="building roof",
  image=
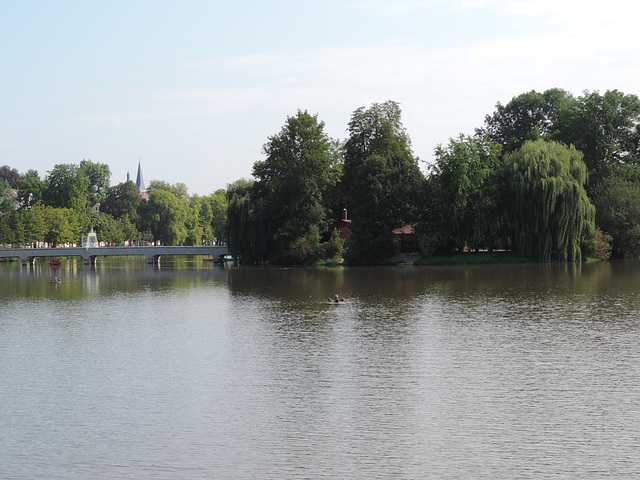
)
(139, 179)
(404, 230)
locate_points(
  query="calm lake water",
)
(198, 372)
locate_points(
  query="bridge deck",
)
(89, 255)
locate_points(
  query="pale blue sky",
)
(194, 88)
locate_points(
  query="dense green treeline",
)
(550, 176)
(71, 199)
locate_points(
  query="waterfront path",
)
(89, 255)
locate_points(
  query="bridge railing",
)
(89, 255)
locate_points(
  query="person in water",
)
(336, 299)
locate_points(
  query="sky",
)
(192, 89)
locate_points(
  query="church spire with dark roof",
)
(139, 179)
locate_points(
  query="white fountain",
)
(90, 240)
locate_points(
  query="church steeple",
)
(139, 179)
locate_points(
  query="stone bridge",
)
(89, 255)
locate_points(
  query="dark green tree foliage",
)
(241, 222)
(10, 230)
(205, 221)
(23, 227)
(382, 180)
(605, 128)
(114, 230)
(122, 199)
(61, 226)
(8, 216)
(215, 211)
(169, 216)
(386, 189)
(10, 175)
(192, 221)
(30, 188)
(551, 212)
(377, 130)
(466, 191)
(617, 202)
(32, 220)
(179, 189)
(164, 216)
(99, 176)
(529, 116)
(66, 187)
(7, 202)
(291, 189)
(106, 228)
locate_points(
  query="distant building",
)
(408, 238)
(343, 226)
(139, 179)
(144, 193)
(14, 194)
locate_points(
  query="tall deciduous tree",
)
(10, 175)
(292, 186)
(550, 211)
(192, 221)
(33, 221)
(382, 180)
(215, 216)
(179, 189)
(384, 197)
(605, 128)
(529, 116)
(66, 187)
(99, 176)
(61, 225)
(377, 130)
(30, 188)
(466, 197)
(164, 216)
(617, 202)
(7, 202)
(11, 231)
(122, 199)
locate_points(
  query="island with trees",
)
(548, 177)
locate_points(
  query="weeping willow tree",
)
(551, 212)
(240, 220)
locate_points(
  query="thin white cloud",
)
(292, 79)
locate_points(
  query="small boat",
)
(342, 301)
(54, 262)
(209, 260)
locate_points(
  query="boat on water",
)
(54, 262)
(333, 301)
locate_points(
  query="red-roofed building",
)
(408, 238)
(343, 226)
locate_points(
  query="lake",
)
(198, 372)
